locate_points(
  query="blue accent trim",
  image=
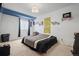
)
(15, 13)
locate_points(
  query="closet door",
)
(24, 27)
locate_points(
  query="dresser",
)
(76, 45)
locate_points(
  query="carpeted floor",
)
(19, 49)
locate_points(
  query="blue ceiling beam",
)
(15, 13)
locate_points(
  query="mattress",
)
(33, 40)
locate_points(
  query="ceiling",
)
(43, 7)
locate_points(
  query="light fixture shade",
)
(35, 9)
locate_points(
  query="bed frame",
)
(44, 45)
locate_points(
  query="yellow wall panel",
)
(47, 25)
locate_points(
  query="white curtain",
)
(24, 27)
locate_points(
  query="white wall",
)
(0, 24)
(66, 28)
(37, 27)
(9, 24)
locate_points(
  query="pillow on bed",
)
(35, 33)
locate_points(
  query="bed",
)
(40, 43)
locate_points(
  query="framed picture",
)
(67, 15)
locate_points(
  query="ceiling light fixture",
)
(35, 9)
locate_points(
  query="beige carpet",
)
(19, 49)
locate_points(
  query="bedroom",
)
(14, 21)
